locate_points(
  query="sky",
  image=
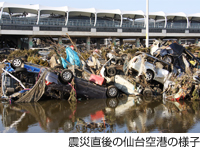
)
(167, 6)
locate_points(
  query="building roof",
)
(176, 16)
(195, 16)
(133, 14)
(34, 9)
(157, 15)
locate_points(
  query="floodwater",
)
(128, 114)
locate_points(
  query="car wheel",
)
(168, 59)
(147, 95)
(17, 62)
(120, 62)
(112, 102)
(111, 71)
(66, 76)
(149, 75)
(20, 70)
(112, 91)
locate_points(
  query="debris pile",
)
(169, 70)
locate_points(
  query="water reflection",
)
(127, 114)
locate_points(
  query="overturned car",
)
(23, 85)
(175, 54)
(152, 67)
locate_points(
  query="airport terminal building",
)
(35, 21)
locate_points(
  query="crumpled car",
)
(58, 87)
(16, 78)
(84, 89)
(122, 84)
(174, 54)
(154, 68)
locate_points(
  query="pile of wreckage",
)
(170, 71)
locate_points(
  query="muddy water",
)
(128, 114)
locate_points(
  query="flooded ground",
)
(129, 114)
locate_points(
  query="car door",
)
(96, 91)
(86, 89)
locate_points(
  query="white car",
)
(154, 68)
(121, 83)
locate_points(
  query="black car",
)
(83, 88)
(174, 54)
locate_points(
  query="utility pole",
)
(147, 23)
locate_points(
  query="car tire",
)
(112, 102)
(66, 76)
(168, 59)
(20, 70)
(120, 62)
(149, 75)
(112, 91)
(147, 95)
(111, 71)
(16, 63)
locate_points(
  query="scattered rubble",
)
(167, 69)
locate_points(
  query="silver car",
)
(154, 68)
